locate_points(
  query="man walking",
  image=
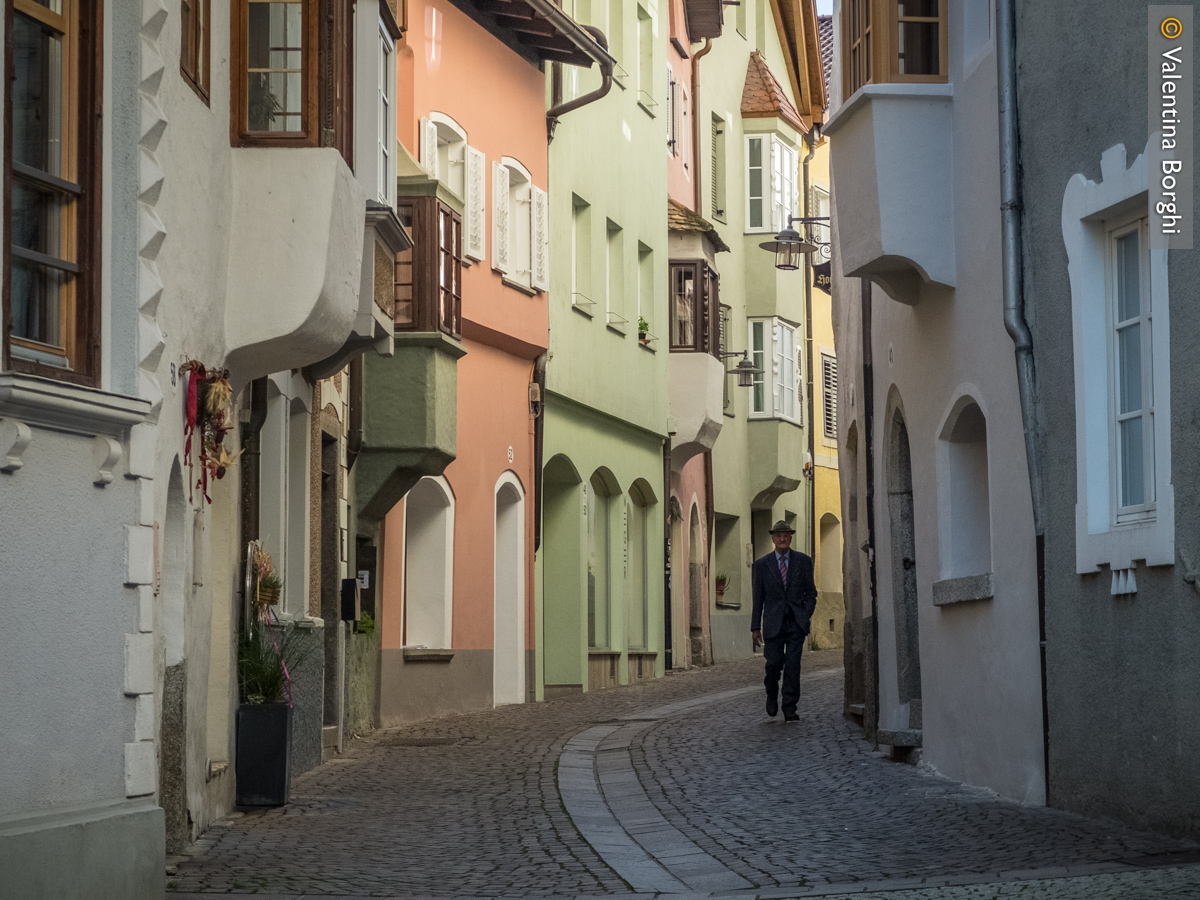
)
(784, 599)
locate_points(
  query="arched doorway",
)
(429, 566)
(564, 652)
(904, 570)
(677, 638)
(508, 642)
(172, 786)
(696, 592)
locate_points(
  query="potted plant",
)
(267, 655)
(643, 330)
(722, 581)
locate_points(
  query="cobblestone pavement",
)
(469, 806)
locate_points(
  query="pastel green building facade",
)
(599, 569)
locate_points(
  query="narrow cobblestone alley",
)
(680, 787)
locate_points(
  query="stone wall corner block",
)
(139, 664)
(139, 769)
(139, 554)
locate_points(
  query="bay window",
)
(894, 41)
(771, 194)
(274, 96)
(428, 278)
(695, 307)
(52, 175)
(775, 351)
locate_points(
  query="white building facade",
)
(164, 208)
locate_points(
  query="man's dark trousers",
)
(782, 654)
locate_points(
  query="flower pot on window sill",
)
(264, 754)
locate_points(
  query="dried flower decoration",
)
(208, 415)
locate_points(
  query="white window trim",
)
(771, 371)
(386, 142)
(1099, 540)
(517, 239)
(765, 163)
(454, 174)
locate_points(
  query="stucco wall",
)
(979, 674)
(1129, 755)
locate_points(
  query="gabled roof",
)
(825, 30)
(763, 97)
(680, 218)
(797, 24)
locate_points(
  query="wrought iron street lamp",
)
(789, 246)
(744, 370)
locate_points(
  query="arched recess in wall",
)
(964, 503)
(429, 564)
(677, 639)
(601, 493)
(563, 593)
(854, 560)
(173, 590)
(696, 587)
(831, 555)
(508, 608)
(638, 507)
(902, 525)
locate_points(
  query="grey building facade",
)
(1122, 605)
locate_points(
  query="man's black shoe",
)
(791, 717)
(772, 706)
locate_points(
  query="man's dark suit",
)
(784, 616)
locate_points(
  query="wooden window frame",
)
(706, 307)
(80, 178)
(870, 41)
(239, 133)
(430, 274)
(195, 55)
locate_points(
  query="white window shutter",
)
(429, 147)
(500, 237)
(475, 245)
(539, 249)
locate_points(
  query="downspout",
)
(1014, 316)
(539, 435)
(607, 64)
(251, 453)
(668, 657)
(354, 438)
(811, 141)
(868, 398)
(696, 57)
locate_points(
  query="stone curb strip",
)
(607, 803)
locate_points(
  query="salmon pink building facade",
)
(456, 553)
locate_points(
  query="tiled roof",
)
(680, 218)
(825, 31)
(764, 97)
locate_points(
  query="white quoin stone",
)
(143, 720)
(139, 769)
(139, 663)
(139, 554)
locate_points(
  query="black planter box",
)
(264, 754)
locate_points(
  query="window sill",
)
(424, 654)
(761, 418)
(518, 286)
(966, 589)
(60, 406)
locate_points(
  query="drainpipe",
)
(354, 439)
(607, 64)
(868, 401)
(1014, 315)
(668, 658)
(251, 452)
(539, 436)
(696, 57)
(810, 139)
